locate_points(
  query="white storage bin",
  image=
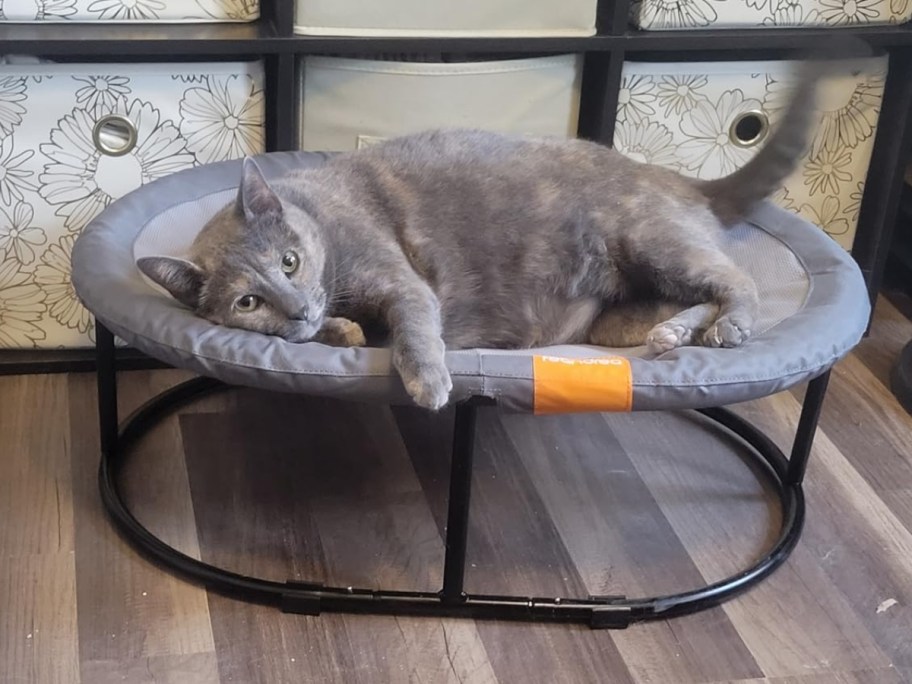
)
(716, 14)
(446, 18)
(707, 119)
(349, 103)
(128, 11)
(73, 138)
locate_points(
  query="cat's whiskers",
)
(340, 296)
(343, 263)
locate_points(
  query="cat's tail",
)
(732, 196)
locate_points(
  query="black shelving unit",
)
(272, 38)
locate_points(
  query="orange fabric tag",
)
(580, 385)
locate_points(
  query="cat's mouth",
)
(303, 331)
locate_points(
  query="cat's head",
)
(259, 264)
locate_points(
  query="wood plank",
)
(257, 645)
(854, 541)
(869, 426)
(193, 668)
(373, 519)
(340, 503)
(156, 487)
(513, 548)
(38, 626)
(254, 518)
(881, 676)
(36, 501)
(890, 332)
(129, 610)
(377, 530)
(410, 649)
(899, 501)
(135, 388)
(38, 623)
(621, 541)
(717, 535)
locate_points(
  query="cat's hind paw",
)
(667, 336)
(727, 331)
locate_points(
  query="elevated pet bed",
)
(814, 310)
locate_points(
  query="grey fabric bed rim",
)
(829, 322)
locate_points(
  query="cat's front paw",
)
(426, 379)
(430, 386)
(341, 332)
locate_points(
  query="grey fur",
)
(471, 239)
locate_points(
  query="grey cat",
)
(458, 239)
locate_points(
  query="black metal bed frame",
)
(785, 475)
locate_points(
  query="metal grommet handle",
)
(114, 135)
(749, 128)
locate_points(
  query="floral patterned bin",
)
(707, 119)
(124, 11)
(716, 14)
(74, 138)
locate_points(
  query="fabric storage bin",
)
(73, 138)
(350, 103)
(707, 119)
(442, 18)
(125, 11)
(691, 14)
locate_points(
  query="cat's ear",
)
(182, 278)
(255, 197)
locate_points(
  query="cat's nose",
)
(295, 305)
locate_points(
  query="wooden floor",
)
(285, 487)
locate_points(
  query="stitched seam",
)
(740, 379)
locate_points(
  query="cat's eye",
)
(290, 262)
(247, 303)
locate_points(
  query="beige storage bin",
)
(349, 103)
(446, 18)
(76, 137)
(707, 119)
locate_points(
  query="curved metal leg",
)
(807, 428)
(106, 376)
(313, 598)
(901, 377)
(458, 505)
